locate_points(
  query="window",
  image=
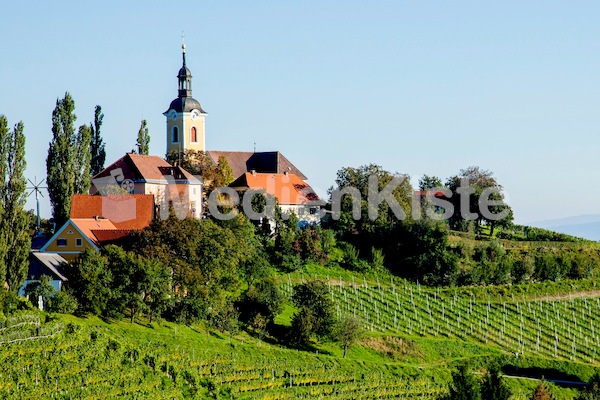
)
(175, 138)
(313, 210)
(79, 242)
(61, 242)
(194, 135)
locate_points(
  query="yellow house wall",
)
(67, 250)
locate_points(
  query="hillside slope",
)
(413, 335)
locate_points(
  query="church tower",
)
(185, 117)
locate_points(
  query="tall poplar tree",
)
(82, 160)
(4, 146)
(68, 162)
(97, 147)
(60, 165)
(15, 220)
(143, 139)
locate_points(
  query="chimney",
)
(277, 163)
(253, 172)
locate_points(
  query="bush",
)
(264, 298)
(351, 257)
(523, 269)
(9, 302)
(63, 302)
(547, 267)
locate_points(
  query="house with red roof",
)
(291, 192)
(125, 211)
(268, 162)
(100, 220)
(77, 235)
(151, 175)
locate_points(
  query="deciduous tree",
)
(224, 175)
(4, 147)
(97, 148)
(90, 280)
(14, 225)
(263, 298)
(205, 258)
(60, 165)
(348, 331)
(143, 139)
(42, 288)
(68, 161)
(429, 182)
(82, 160)
(316, 315)
(476, 180)
(358, 178)
(199, 163)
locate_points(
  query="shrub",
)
(63, 302)
(264, 298)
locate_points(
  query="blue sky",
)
(416, 87)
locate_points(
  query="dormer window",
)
(175, 135)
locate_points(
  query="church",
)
(270, 171)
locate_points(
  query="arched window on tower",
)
(175, 135)
(194, 134)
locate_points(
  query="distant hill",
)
(585, 226)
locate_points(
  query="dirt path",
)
(574, 295)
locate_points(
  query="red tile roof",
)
(138, 168)
(262, 162)
(287, 188)
(125, 211)
(436, 193)
(109, 236)
(88, 225)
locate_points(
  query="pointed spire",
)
(183, 46)
(184, 76)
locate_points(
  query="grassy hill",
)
(413, 335)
